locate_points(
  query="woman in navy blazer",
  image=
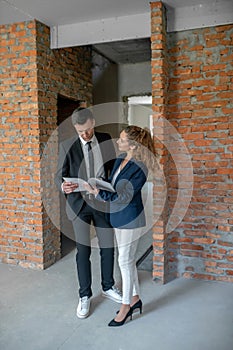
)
(126, 212)
(126, 207)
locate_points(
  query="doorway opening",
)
(140, 116)
(139, 112)
(65, 107)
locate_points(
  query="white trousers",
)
(127, 241)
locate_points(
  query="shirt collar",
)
(93, 139)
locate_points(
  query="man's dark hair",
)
(80, 115)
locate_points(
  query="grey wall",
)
(134, 79)
(112, 82)
(105, 80)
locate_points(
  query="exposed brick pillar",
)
(159, 67)
(21, 208)
(32, 75)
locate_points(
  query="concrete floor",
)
(38, 311)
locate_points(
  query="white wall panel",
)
(203, 15)
(107, 30)
(208, 14)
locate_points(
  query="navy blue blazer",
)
(126, 206)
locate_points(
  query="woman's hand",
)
(92, 190)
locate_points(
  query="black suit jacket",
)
(71, 164)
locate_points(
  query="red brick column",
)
(159, 69)
(32, 75)
(21, 237)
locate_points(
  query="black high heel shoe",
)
(137, 305)
(114, 323)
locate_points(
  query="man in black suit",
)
(83, 209)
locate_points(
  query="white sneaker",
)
(83, 307)
(113, 294)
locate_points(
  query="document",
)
(93, 182)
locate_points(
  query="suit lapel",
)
(78, 149)
(78, 152)
(102, 146)
(127, 169)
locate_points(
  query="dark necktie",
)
(91, 159)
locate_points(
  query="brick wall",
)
(32, 75)
(192, 89)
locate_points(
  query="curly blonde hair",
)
(144, 145)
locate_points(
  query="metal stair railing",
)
(143, 257)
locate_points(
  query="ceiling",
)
(57, 12)
(68, 12)
(126, 51)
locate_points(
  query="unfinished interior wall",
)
(134, 79)
(32, 76)
(192, 89)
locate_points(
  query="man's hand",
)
(69, 187)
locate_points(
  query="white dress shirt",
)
(98, 159)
